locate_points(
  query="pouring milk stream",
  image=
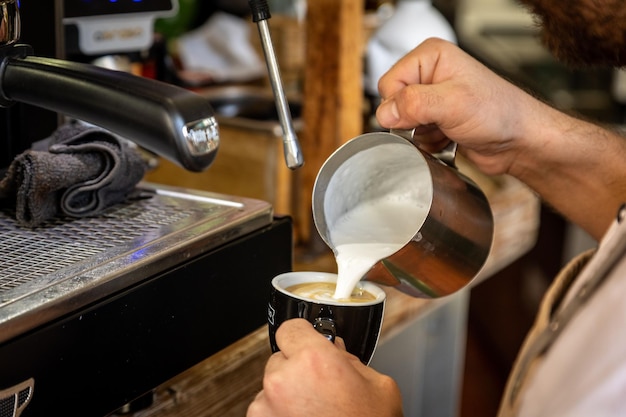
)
(387, 214)
(370, 232)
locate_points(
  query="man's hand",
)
(312, 377)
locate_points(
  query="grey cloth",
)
(84, 171)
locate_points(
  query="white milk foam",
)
(319, 295)
(370, 232)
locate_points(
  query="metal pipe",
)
(291, 146)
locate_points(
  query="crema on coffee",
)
(324, 291)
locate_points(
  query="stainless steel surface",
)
(202, 136)
(9, 22)
(68, 263)
(450, 226)
(291, 146)
(13, 400)
(447, 155)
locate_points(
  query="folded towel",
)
(85, 170)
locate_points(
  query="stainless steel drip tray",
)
(68, 263)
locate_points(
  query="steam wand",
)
(293, 153)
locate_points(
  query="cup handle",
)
(326, 327)
(447, 155)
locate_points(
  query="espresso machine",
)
(96, 312)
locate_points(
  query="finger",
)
(340, 343)
(414, 105)
(275, 362)
(431, 141)
(258, 407)
(425, 129)
(416, 67)
(259, 397)
(426, 104)
(296, 335)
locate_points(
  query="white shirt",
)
(584, 371)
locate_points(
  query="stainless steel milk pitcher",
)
(454, 232)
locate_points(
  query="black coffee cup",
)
(358, 323)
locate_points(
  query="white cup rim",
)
(287, 279)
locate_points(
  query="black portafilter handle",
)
(170, 121)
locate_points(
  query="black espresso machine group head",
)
(170, 121)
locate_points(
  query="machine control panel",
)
(106, 26)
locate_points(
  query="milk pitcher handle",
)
(447, 155)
